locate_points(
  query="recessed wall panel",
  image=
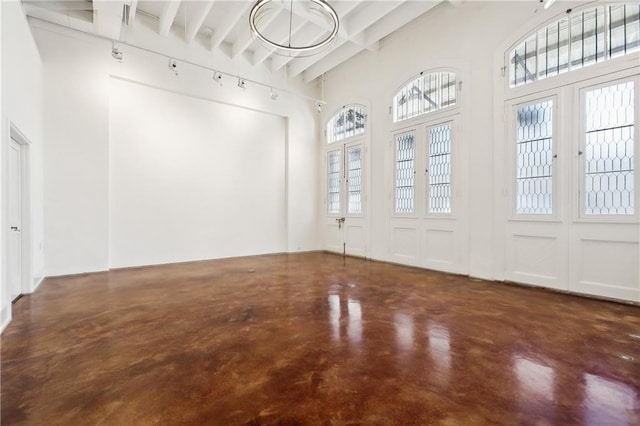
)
(192, 179)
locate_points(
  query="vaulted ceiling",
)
(223, 26)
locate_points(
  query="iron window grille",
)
(349, 121)
(576, 40)
(425, 94)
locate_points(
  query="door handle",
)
(15, 228)
(340, 221)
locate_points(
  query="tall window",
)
(354, 179)
(427, 93)
(439, 169)
(405, 173)
(333, 181)
(347, 122)
(579, 39)
(609, 149)
(534, 158)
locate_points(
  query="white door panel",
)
(575, 226)
(355, 238)
(605, 260)
(427, 221)
(537, 254)
(404, 244)
(440, 251)
(15, 220)
(346, 223)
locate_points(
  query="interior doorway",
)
(14, 265)
(18, 214)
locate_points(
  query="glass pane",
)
(534, 158)
(348, 122)
(609, 150)
(617, 30)
(523, 62)
(632, 28)
(333, 182)
(354, 182)
(360, 120)
(553, 49)
(405, 173)
(587, 37)
(593, 34)
(583, 38)
(427, 93)
(439, 171)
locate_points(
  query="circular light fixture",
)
(264, 12)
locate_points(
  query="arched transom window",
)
(427, 93)
(347, 122)
(578, 39)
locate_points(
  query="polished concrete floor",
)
(314, 339)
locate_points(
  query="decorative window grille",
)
(333, 182)
(427, 93)
(534, 158)
(405, 172)
(439, 169)
(354, 181)
(609, 150)
(582, 38)
(349, 121)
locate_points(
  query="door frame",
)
(364, 139)
(343, 147)
(569, 223)
(15, 134)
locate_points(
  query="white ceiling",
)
(223, 26)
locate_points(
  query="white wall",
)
(22, 107)
(4, 287)
(462, 37)
(192, 179)
(77, 92)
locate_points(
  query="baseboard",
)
(36, 283)
(5, 317)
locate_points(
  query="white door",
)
(15, 219)
(603, 239)
(536, 227)
(573, 222)
(427, 222)
(345, 230)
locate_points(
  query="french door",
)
(427, 221)
(573, 208)
(345, 228)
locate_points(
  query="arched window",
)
(576, 40)
(348, 121)
(425, 94)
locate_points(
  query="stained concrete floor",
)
(314, 339)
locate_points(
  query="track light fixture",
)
(116, 54)
(218, 76)
(173, 66)
(547, 3)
